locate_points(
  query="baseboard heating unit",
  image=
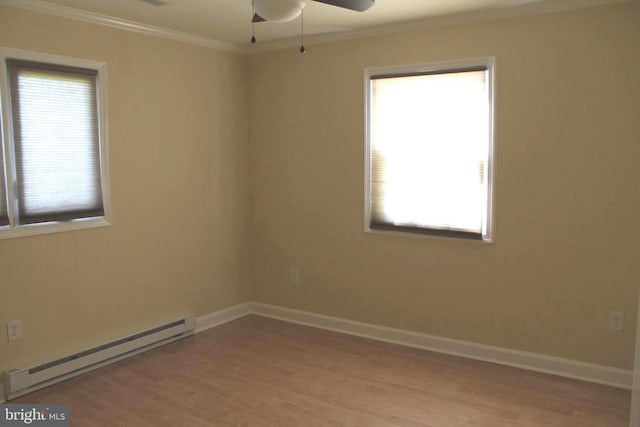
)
(22, 381)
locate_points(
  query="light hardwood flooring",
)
(256, 371)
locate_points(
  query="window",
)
(53, 157)
(429, 150)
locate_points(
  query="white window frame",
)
(17, 230)
(489, 62)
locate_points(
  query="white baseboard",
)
(594, 373)
(591, 372)
(225, 315)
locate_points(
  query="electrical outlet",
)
(14, 330)
(294, 276)
(616, 320)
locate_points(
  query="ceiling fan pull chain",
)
(302, 49)
(253, 25)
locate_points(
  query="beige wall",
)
(567, 205)
(178, 243)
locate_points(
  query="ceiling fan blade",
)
(257, 18)
(358, 5)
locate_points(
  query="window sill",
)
(8, 232)
(425, 235)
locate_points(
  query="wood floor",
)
(261, 372)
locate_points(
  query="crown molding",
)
(247, 49)
(120, 23)
(435, 22)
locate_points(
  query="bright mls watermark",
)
(34, 415)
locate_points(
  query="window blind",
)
(4, 217)
(56, 141)
(429, 147)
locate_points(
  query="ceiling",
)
(229, 20)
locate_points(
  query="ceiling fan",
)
(288, 10)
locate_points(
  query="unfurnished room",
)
(319, 213)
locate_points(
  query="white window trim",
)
(13, 231)
(490, 63)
